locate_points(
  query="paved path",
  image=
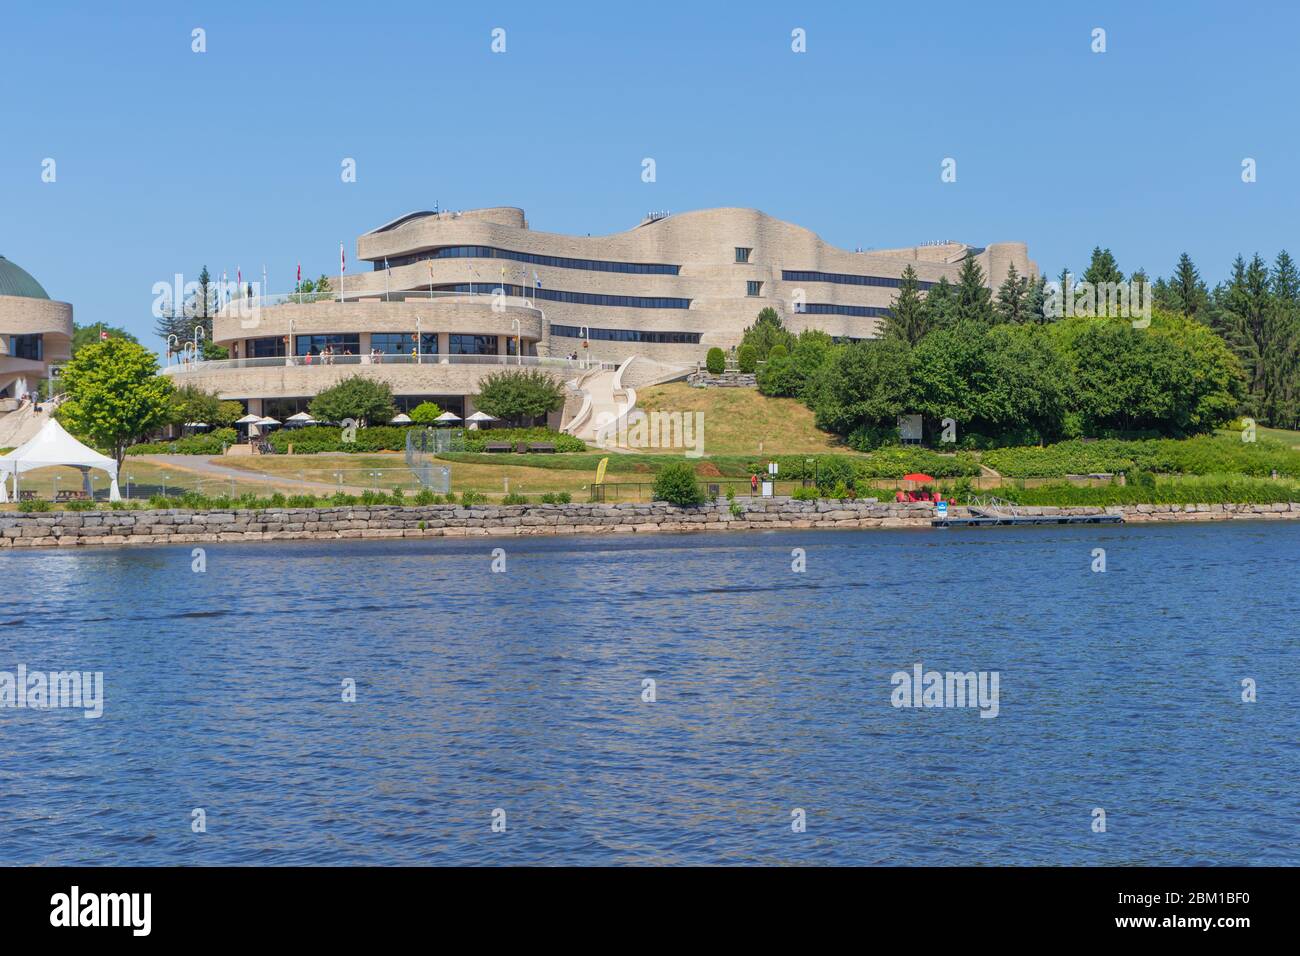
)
(198, 464)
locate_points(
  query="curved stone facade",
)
(481, 281)
(34, 333)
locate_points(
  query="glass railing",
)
(318, 361)
(245, 304)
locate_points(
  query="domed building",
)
(35, 332)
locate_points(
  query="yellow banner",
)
(600, 471)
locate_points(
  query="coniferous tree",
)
(1285, 279)
(1036, 301)
(1184, 292)
(940, 305)
(974, 298)
(1013, 298)
(1103, 268)
(909, 318)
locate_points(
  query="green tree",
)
(426, 413)
(862, 387)
(520, 396)
(676, 484)
(789, 376)
(974, 298)
(908, 320)
(1183, 292)
(1036, 301)
(114, 394)
(715, 361)
(1103, 268)
(228, 412)
(83, 335)
(766, 332)
(355, 397)
(189, 403)
(940, 305)
(1013, 298)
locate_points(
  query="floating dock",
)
(1003, 513)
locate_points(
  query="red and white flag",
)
(343, 259)
(300, 272)
(103, 335)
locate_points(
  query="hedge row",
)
(1203, 455)
(315, 439)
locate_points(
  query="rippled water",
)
(523, 691)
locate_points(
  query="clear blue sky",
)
(167, 159)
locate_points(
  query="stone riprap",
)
(182, 526)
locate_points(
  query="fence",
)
(422, 445)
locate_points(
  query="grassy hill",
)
(740, 421)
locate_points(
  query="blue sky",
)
(167, 159)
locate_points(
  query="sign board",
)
(941, 509)
(771, 468)
(909, 429)
(767, 489)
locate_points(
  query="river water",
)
(521, 699)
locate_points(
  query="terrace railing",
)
(428, 358)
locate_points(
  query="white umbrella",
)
(448, 417)
(482, 417)
(402, 419)
(302, 418)
(249, 420)
(268, 420)
(197, 425)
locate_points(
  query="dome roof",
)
(17, 281)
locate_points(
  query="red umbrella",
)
(917, 476)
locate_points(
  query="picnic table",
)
(69, 494)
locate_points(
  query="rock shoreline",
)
(184, 526)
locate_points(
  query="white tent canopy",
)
(52, 446)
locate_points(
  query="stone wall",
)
(179, 526)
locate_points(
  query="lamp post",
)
(519, 346)
(584, 332)
(173, 345)
(418, 340)
(129, 479)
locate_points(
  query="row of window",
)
(388, 343)
(557, 262)
(791, 275)
(628, 335)
(825, 308)
(578, 298)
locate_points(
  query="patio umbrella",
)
(302, 418)
(402, 419)
(446, 418)
(197, 425)
(268, 420)
(478, 417)
(249, 420)
(917, 476)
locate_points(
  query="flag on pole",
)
(343, 259)
(537, 280)
(103, 335)
(300, 272)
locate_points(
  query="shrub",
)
(747, 358)
(513, 498)
(778, 351)
(676, 484)
(835, 472)
(426, 413)
(470, 497)
(716, 361)
(39, 504)
(427, 496)
(805, 494)
(358, 397)
(520, 395)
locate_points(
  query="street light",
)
(519, 350)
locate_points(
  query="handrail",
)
(428, 358)
(238, 304)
